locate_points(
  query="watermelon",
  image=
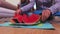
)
(32, 19)
(17, 17)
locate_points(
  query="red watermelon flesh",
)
(34, 18)
(31, 19)
(25, 18)
(18, 16)
(17, 13)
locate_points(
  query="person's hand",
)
(45, 14)
(18, 11)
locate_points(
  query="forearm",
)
(28, 6)
(7, 11)
(6, 15)
(55, 8)
(8, 5)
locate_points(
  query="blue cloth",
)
(57, 14)
(45, 25)
(37, 12)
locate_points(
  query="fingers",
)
(18, 11)
(45, 14)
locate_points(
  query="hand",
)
(45, 15)
(17, 13)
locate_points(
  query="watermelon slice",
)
(33, 19)
(17, 17)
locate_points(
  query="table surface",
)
(10, 30)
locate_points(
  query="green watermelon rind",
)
(18, 24)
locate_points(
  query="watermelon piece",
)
(17, 13)
(17, 17)
(20, 18)
(14, 21)
(31, 19)
(25, 18)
